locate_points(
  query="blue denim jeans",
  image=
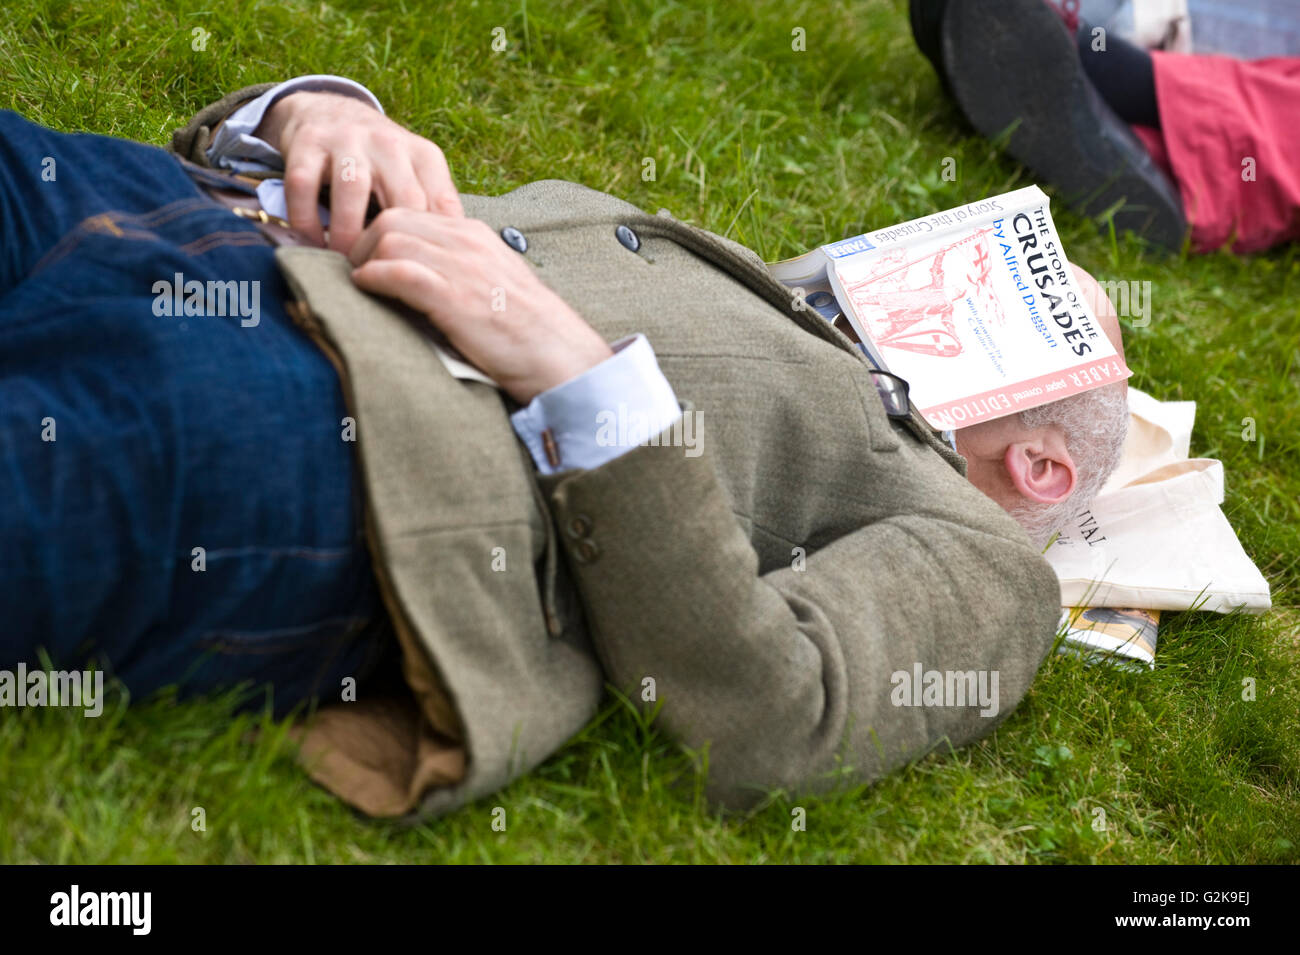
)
(177, 500)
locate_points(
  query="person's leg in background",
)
(1014, 68)
(180, 499)
(1221, 127)
(1123, 74)
(1185, 146)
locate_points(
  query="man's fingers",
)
(417, 285)
(435, 175)
(302, 182)
(349, 197)
(396, 185)
(435, 228)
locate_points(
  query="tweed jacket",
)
(765, 588)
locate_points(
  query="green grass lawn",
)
(780, 150)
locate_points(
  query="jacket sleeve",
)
(792, 679)
(192, 140)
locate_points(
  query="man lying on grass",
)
(231, 452)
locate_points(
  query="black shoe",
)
(1013, 62)
(927, 24)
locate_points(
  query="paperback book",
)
(976, 308)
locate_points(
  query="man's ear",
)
(1041, 470)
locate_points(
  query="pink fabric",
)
(1215, 112)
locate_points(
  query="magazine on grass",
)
(976, 308)
(1120, 636)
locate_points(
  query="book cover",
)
(976, 307)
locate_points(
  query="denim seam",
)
(255, 642)
(112, 224)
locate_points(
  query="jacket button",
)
(514, 238)
(585, 550)
(580, 526)
(629, 239)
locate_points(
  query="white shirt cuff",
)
(234, 146)
(623, 402)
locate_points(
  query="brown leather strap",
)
(247, 206)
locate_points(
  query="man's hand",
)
(334, 140)
(481, 294)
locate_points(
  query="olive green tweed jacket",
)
(766, 592)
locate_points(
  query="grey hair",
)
(1094, 424)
